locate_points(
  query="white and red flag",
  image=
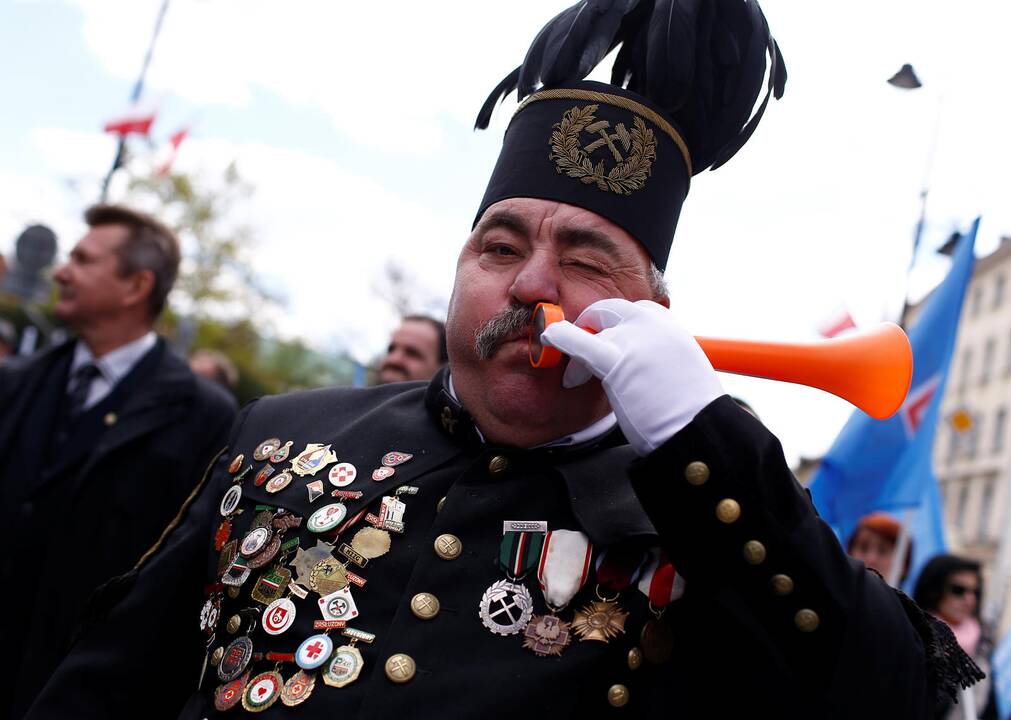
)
(837, 324)
(135, 121)
(175, 140)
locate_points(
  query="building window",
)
(963, 502)
(977, 299)
(989, 485)
(998, 430)
(998, 292)
(954, 445)
(963, 381)
(974, 436)
(989, 350)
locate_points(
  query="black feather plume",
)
(703, 61)
(505, 87)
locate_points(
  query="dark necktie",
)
(80, 386)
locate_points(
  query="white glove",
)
(656, 376)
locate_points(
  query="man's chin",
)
(64, 312)
(391, 376)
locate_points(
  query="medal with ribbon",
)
(506, 606)
(661, 583)
(562, 571)
(603, 619)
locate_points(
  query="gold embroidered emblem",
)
(633, 152)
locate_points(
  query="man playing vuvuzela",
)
(611, 537)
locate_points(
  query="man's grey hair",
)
(657, 285)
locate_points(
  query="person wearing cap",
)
(613, 537)
(874, 541)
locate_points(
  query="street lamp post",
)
(906, 79)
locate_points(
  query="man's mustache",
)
(504, 326)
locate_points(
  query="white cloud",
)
(387, 76)
(323, 232)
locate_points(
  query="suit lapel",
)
(159, 389)
(160, 393)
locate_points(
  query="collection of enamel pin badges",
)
(562, 559)
(264, 548)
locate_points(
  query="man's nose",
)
(60, 275)
(538, 280)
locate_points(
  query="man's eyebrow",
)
(504, 219)
(585, 237)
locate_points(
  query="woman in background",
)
(950, 587)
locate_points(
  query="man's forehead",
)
(103, 238)
(417, 330)
(528, 215)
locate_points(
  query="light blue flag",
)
(886, 464)
(1000, 669)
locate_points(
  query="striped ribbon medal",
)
(506, 606)
(602, 620)
(662, 584)
(563, 568)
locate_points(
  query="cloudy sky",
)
(354, 124)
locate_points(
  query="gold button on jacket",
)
(448, 546)
(400, 668)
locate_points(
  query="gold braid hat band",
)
(618, 101)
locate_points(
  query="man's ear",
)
(140, 286)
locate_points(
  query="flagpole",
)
(901, 550)
(134, 97)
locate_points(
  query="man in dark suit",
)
(611, 537)
(101, 440)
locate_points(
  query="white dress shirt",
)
(112, 367)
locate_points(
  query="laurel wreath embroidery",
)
(626, 176)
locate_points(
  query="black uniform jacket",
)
(83, 501)
(825, 639)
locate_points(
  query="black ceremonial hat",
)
(683, 89)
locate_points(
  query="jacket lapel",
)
(161, 390)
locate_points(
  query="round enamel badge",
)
(255, 540)
(237, 656)
(266, 448)
(278, 616)
(279, 482)
(313, 652)
(298, 688)
(228, 695)
(262, 691)
(230, 501)
(342, 474)
(326, 518)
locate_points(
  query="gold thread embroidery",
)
(617, 101)
(629, 172)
